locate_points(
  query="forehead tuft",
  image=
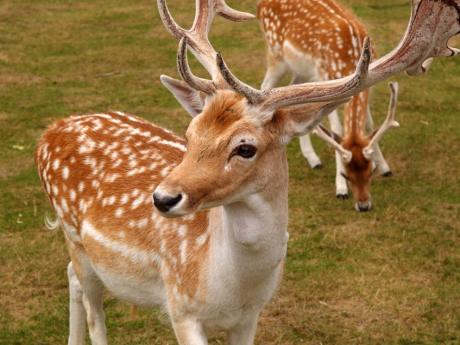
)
(356, 144)
(224, 110)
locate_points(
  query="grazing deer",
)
(320, 40)
(210, 248)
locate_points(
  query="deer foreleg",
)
(93, 303)
(189, 332)
(341, 188)
(244, 333)
(309, 152)
(77, 314)
(275, 70)
(92, 300)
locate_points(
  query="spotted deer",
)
(320, 40)
(210, 247)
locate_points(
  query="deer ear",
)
(190, 99)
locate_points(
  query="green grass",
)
(391, 276)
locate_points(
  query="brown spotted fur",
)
(114, 163)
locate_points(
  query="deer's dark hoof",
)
(318, 166)
(342, 196)
(389, 173)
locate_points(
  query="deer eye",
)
(246, 151)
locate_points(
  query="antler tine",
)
(229, 13)
(204, 15)
(389, 122)
(253, 95)
(203, 19)
(326, 91)
(170, 24)
(195, 82)
(179, 32)
(324, 134)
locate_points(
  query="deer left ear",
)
(190, 99)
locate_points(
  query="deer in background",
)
(320, 40)
(210, 247)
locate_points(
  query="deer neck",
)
(355, 116)
(253, 230)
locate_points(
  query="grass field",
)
(391, 276)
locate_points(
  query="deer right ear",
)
(190, 99)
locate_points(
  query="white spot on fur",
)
(72, 195)
(137, 202)
(65, 173)
(81, 186)
(200, 240)
(119, 212)
(182, 231)
(142, 223)
(64, 205)
(56, 164)
(124, 199)
(183, 251)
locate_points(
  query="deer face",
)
(359, 176)
(229, 155)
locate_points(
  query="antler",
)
(197, 40)
(324, 134)
(302, 93)
(432, 24)
(389, 122)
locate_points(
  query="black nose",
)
(165, 203)
(364, 208)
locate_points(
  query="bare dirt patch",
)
(4, 57)
(14, 166)
(19, 79)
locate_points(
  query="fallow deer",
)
(321, 40)
(210, 247)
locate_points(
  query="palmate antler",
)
(432, 24)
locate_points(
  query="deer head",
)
(357, 153)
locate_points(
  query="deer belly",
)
(129, 272)
(145, 291)
(301, 63)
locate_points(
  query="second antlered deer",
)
(211, 250)
(320, 40)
